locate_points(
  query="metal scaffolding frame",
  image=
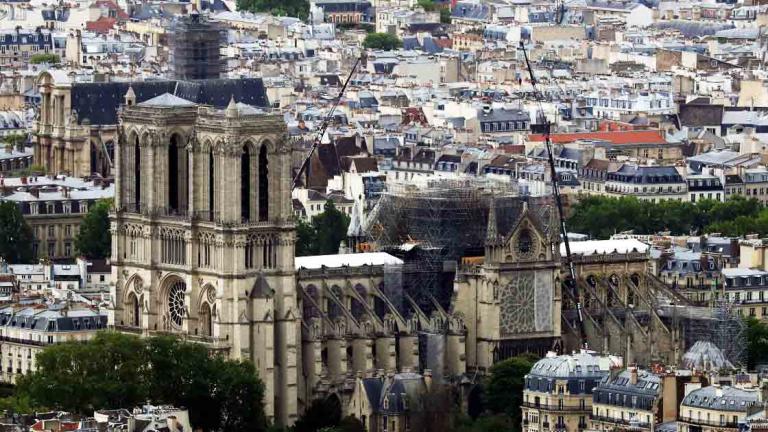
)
(718, 324)
(433, 226)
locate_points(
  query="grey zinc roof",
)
(721, 398)
(568, 366)
(647, 383)
(167, 100)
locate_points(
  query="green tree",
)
(94, 240)
(293, 8)
(15, 235)
(322, 413)
(79, 377)
(427, 5)
(45, 58)
(15, 139)
(382, 41)
(757, 342)
(600, 217)
(324, 235)
(114, 370)
(445, 15)
(350, 424)
(436, 409)
(330, 228)
(504, 387)
(305, 238)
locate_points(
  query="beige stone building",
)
(716, 408)
(203, 248)
(558, 391)
(25, 330)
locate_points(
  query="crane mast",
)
(558, 201)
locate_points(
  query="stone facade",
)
(511, 303)
(203, 236)
(203, 248)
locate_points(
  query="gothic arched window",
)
(245, 184)
(263, 184)
(137, 174)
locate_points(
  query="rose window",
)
(176, 303)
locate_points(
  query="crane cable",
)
(324, 126)
(558, 199)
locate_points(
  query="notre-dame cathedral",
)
(203, 248)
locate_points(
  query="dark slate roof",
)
(646, 174)
(98, 102)
(698, 115)
(373, 388)
(449, 158)
(647, 383)
(55, 14)
(503, 115)
(261, 288)
(403, 387)
(51, 320)
(471, 11)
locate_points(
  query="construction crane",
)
(558, 199)
(323, 126)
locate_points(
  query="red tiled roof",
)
(111, 5)
(616, 137)
(101, 25)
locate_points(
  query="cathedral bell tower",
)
(203, 238)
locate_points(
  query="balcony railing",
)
(717, 423)
(620, 421)
(22, 341)
(556, 407)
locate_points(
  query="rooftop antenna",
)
(558, 200)
(323, 127)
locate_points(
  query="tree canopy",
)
(94, 239)
(600, 216)
(45, 58)
(504, 387)
(382, 41)
(114, 370)
(757, 342)
(15, 235)
(292, 8)
(15, 139)
(324, 234)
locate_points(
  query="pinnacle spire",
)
(492, 233)
(232, 108)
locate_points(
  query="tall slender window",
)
(210, 184)
(263, 184)
(173, 174)
(245, 184)
(137, 174)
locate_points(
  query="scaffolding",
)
(433, 225)
(718, 324)
(195, 43)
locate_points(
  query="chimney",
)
(632, 374)
(23, 180)
(35, 192)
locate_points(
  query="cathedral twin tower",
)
(203, 238)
